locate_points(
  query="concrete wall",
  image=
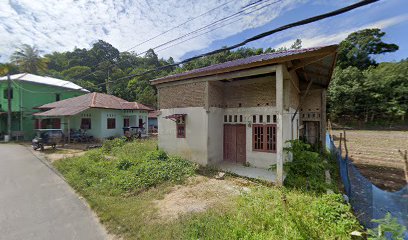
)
(99, 122)
(215, 135)
(216, 127)
(194, 146)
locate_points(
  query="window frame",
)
(108, 126)
(181, 127)
(126, 122)
(263, 145)
(90, 123)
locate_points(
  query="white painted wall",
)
(194, 146)
(254, 158)
(215, 135)
(99, 125)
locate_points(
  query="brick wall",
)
(249, 94)
(183, 95)
(216, 94)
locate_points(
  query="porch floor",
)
(250, 172)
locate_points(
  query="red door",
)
(230, 154)
(234, 143)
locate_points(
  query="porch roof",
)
(62, 111)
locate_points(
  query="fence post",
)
(341, 137)
(405, 159)
(345, 142)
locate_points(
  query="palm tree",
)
(28, 59)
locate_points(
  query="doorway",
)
(235, 143)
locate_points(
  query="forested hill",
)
(361, 89)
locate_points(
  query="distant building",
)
(244, 111)
(153, 125)
(101, 115)
(30, 91)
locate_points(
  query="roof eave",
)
(324, 50)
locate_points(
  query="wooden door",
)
(230, 153)
(241, 143)
(235, 143)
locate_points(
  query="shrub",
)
(306, 170)
(388, 228)
(109, 145)
(124, 164)
(157, 155)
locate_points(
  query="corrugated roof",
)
(28, 77)
(265, 59)
(72, 106)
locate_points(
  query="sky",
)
(130, 25)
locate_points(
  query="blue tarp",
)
(368, 201)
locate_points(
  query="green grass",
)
(273, 213)
(122, 180)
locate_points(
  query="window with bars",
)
(264, 137)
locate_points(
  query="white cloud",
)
(65, 24)
(314, 37)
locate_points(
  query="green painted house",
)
(30, 91)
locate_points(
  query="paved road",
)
(35, 203)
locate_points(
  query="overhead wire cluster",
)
(242, 43)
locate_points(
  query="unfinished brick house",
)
(244, 111)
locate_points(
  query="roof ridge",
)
(93, 100)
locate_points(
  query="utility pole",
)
(9, 105)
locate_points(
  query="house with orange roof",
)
(100, 115)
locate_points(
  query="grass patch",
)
(122, 181)
(124, 168)
(273, 213)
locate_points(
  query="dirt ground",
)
(376, 155)
(199, 194)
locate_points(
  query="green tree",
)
(357, 48)
(28, 59)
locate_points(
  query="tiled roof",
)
(62, 111)
(27, 77)
(72, 106)
(263, 58)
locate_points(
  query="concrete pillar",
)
(69, 130)
(323, 120)
(279, 126)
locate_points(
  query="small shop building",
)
(244, 111)
(100, 115)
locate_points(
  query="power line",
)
(264, 34)
(189, 20)
(243, 9)
(218, 27)
(237, 14)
